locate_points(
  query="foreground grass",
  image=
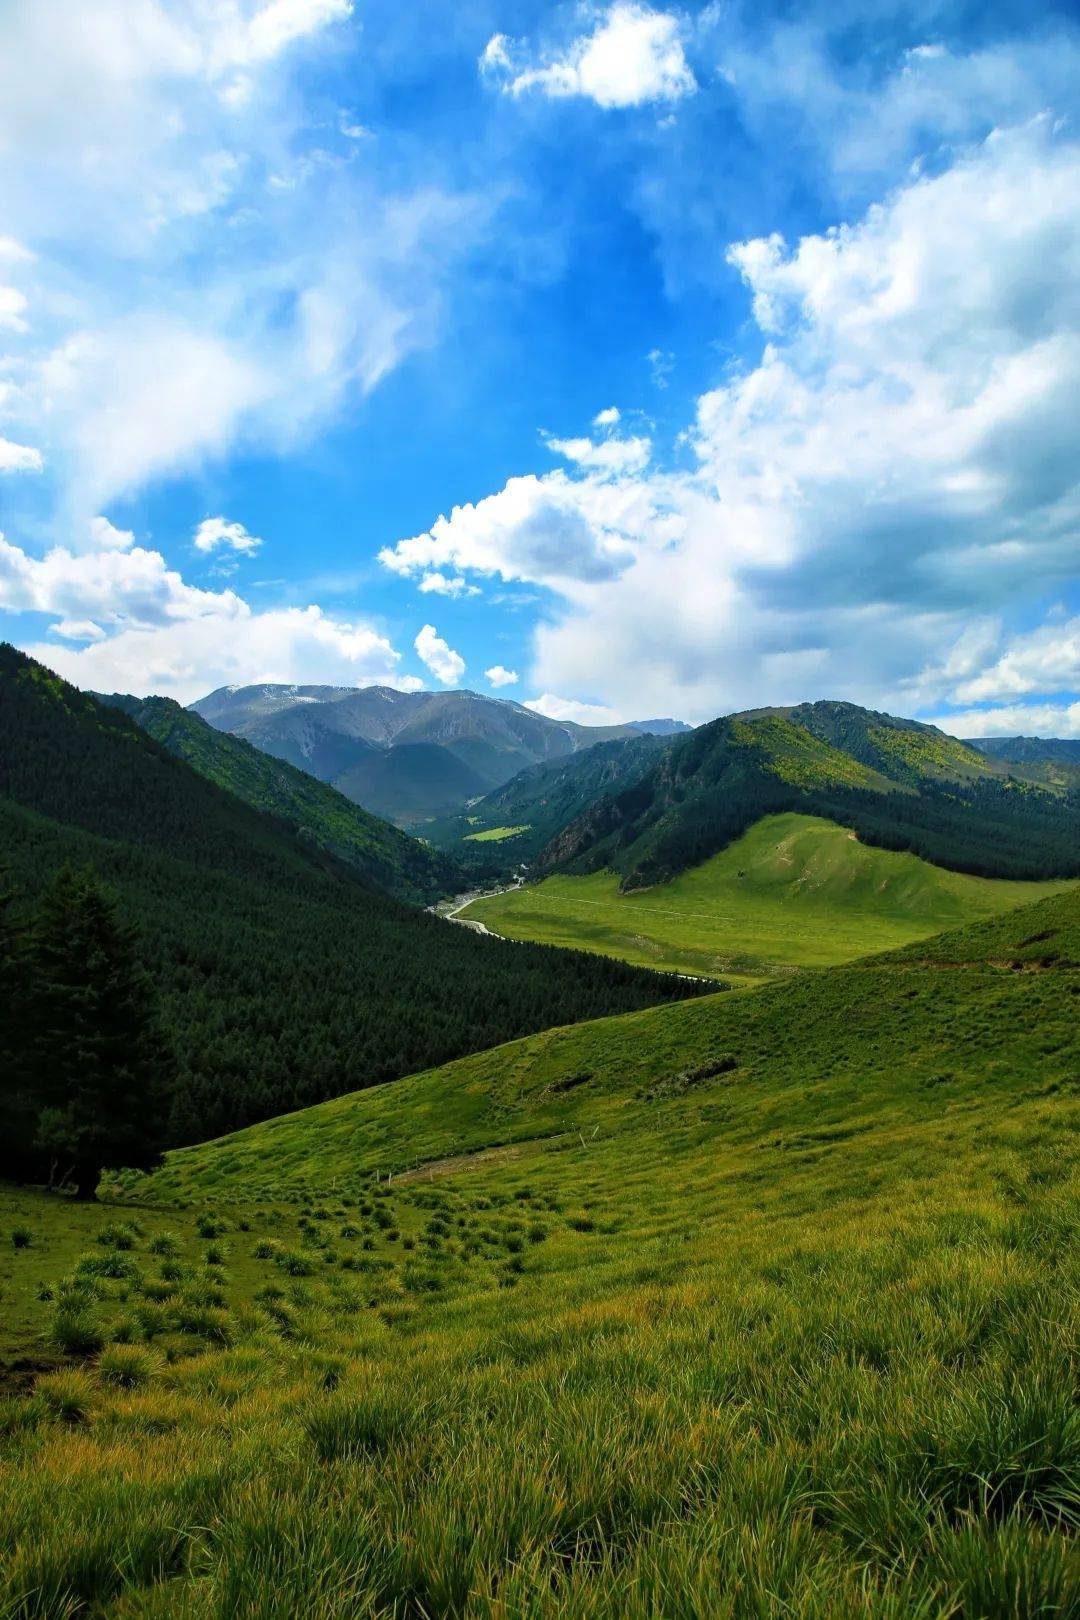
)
(795, 891)
(758, 1306)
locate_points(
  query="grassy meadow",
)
(753, 1306)
(794, 892)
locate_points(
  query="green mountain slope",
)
(1054, 761)
(382, 853)
(897, 784)
(794, 891)
(284, 976)
(757, 1305)
(545, 798)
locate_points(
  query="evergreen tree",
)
(17, 1114)
(101, 1064)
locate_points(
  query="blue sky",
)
(624, 359)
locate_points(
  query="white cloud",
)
(607, 418)
(610, 456)
(634, 55)
(12, 309)
(443, 585)
(110, 586)
(496, 55)
(444, 663)
(1043, 660)
(582, 714)
(183, 303)
(1014, 720)
(19, 457)
(106, 537)
(77, 630)
(497, 675)
(188, 658)
(213, 532)
(900, 468)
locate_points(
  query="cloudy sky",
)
(624, 360)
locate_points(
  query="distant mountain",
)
(659, 728)
(283, 977)
(318, 813)
(1065, 749)
(409, 756)
(1052, 760)
(899, 784)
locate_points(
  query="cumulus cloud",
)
(444, 663)
(497, 676)
(610, 456)
(213, 532)
(187, 658)
(582, 714)
(633, 56)
(106, 537)
(443, 585)
(897, 470)
(109, 586)
(19, 457)
(607, 418)
(77, 630)
(1014, 720)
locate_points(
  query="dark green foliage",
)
(89, 1087)
(312, 811)
(897, 784)
(283, 979)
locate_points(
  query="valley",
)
(794, 892)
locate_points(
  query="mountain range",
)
(651, 809)
(407, 756)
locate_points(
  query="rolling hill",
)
(794, 891)
(382, 853)
(898, 784)
(756, 1305)
(284, 977)
(409, 756)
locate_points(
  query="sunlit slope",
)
(762, 1305)
(795, 891)
(900, 1039)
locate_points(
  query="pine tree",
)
(17, 1114)
(100, 1061)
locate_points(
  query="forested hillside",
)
(390, 858)
(283, 977)
(897, 784)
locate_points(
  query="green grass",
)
(793, 892)
(493, 835)
(760, 1305)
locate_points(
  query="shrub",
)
(67, 1394)
(117, 1235)
(75, 1331)
(211, 1226)
(163, 1244)
(127, 1366)
(21, 1237)
(295, 1264)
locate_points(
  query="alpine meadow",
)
(539, 810)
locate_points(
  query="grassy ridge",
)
(758, 1305)
(795, 891)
